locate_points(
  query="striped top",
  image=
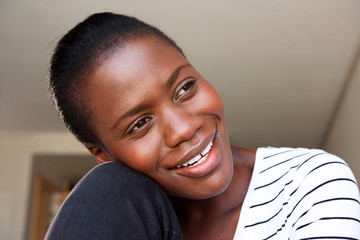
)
(298, 193)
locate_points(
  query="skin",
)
(153, 111)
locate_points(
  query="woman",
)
(129, 94)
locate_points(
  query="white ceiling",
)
(279, 65)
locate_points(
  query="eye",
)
(139, 125)
(184, 89)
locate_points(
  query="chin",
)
(219, 188)
(216, 187)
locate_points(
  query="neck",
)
(225, 205)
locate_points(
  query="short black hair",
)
(76, 55)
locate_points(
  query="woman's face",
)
(154, 112)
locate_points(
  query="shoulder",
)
(319, 190)
(304, 171)
(302, 193)
(300, 160)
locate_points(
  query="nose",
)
(180, 126)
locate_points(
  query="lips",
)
(202, 164)
(198, 159)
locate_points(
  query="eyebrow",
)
(141, 107)
(130, 113)
(175, 75)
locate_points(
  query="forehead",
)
(130, 74)
(142, 58)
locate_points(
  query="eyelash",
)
(132, 130)
(188, 86)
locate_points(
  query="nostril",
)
(181, 130)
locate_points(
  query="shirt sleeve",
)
(325, 204)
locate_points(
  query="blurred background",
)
(288, 73)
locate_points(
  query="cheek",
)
(210, 100)
(141, 155)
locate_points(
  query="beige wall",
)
(344, 137)
(17, 150)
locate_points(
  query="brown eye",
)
(184, 89)
(139, 124)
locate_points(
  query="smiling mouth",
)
(198, 159)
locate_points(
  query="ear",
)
(99, 153)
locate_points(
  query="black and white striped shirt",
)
(298, 193)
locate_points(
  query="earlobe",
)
(99, 154)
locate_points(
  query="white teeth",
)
(198, 158)
(195, 159)
(207, 149)
(202, 160)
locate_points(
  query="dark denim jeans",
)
(115, 202)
